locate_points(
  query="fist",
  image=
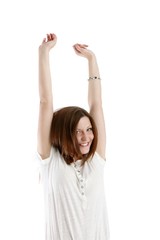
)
(48, 42)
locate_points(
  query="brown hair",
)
(63, 133)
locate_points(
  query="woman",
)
(71, 152)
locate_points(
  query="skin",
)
(84, 134)
(46, 106)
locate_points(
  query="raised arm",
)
(45, 95)
(94, 95)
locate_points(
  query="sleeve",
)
(43, 165)
(98, 163)
(46, 160)
(100, 160)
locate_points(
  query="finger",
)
(83, 45)
(48, 37)
(77, 48)
(53, 36)
(44, 40)
(77, 45)
(74, 47)
(80, 47)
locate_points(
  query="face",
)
(84, 134)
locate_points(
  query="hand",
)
(49, 42)
(81, 50)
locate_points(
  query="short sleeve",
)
(98, 163)
(42, 165)
(99, 159)
(46, 160)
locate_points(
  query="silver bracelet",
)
(94, 78)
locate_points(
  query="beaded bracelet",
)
(94, 78)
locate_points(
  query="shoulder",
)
(97, 155)
(98, 160)
(54, 154)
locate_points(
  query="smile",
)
(84, 144)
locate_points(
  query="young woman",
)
(71, 153)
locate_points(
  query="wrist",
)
(43, 50)
(92, 58)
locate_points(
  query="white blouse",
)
(75, 202)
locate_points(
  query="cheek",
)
(91, 136)
(78, 138)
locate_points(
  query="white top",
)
(75, 204)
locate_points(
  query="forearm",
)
(94, 85)
(45, 84)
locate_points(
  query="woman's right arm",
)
(45, 95)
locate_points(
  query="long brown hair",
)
(63, 133)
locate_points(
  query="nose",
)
(84, 136)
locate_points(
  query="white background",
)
(125, 35)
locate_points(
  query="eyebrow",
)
(86, 128)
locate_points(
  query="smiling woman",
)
(75, 201)
(70, 131)
(84, 135)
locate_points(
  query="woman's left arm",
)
(94, 96)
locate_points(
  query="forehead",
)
(84, 122)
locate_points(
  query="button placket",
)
(81, 180)
(82, 188)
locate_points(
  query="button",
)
(82, 193)
(82, 186)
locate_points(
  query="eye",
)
(89, 129)
(78, 132)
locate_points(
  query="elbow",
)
(96, 103)
(45, 100)
(96, 108)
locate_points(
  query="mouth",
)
(84, 144)
(84, 147)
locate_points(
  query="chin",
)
(84, 151)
